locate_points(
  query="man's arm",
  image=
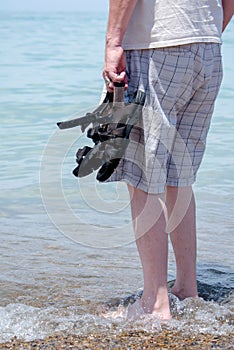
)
(120, 12)
(228, 12)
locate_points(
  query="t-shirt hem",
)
(168, 43)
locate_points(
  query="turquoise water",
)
(67, 246)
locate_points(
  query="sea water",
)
(67, 246)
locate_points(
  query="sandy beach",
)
(164, 339)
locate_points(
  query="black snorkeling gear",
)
(112, 123)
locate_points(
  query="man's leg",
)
(152, 243)
(181, 224)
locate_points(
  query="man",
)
(170, 49)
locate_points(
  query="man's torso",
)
(161, 23)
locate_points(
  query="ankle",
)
(185, 291)
(156, 305)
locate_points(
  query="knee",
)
(141, 197)
(178, 194)
(173, 190)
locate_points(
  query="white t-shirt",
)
(161, 23)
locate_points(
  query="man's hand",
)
(114, 67)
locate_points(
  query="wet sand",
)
(128, 340)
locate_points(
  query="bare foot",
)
(183, 293)
(141, 308)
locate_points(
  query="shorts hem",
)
(153, 189)
(156, 188)
(181, 182)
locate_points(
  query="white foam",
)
(29, 323)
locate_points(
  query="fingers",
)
(115, 67)
(110, 78)
(108, 82)
(117, 78)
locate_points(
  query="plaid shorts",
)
(181, 84)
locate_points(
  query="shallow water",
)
(67, 246)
